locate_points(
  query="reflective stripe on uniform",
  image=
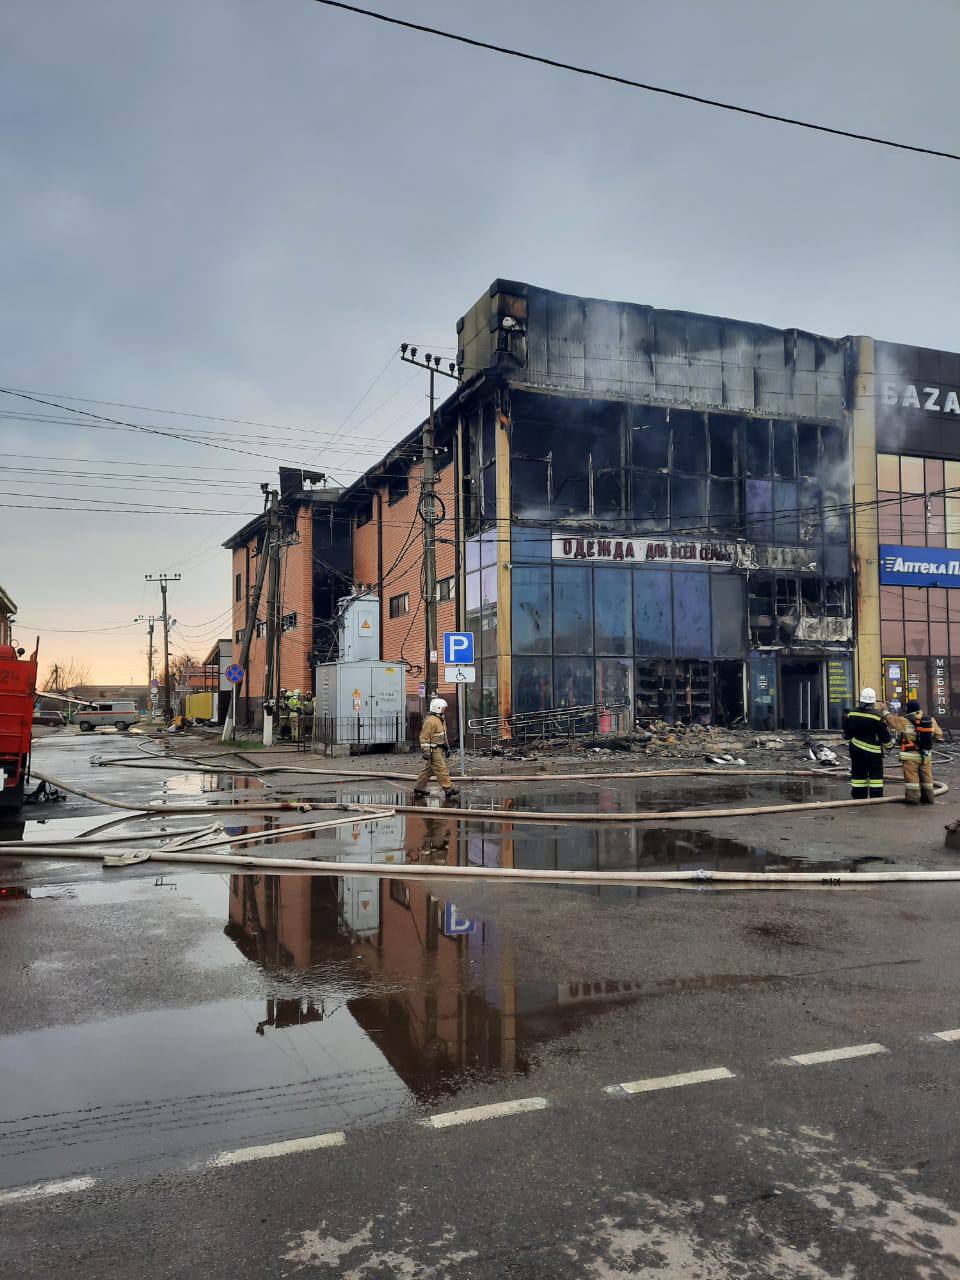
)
(867, 746)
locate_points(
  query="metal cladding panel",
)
(637, 352)
(326, 699)
(918, 400)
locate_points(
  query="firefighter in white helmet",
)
(435, 750)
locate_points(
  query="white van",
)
(120, 714)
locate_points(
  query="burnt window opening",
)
(811, 597)
(836, 598)
(761, 609)
(784, 451)
(397, 488)
(651, 441)
(788, 608)
(834, 455)
(365, 514)
(808, 448)
(757, 448)
(238, 587)
(688, 437)
(723, 447)
(651, 501)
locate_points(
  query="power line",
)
(633, 84)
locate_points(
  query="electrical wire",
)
(626, 82)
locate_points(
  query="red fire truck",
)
(18, 684)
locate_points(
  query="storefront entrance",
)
(801, 684)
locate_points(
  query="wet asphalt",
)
(154, 1019)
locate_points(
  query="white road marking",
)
(445, 1119)
(836, 1055)
(268, 1152)
(948, 1035)
(671, 1082)
(44, 1189)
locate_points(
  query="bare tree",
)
(65, 676)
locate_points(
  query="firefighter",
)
(293, 702)
(434, 748)
(867, 733)
(307, 709)
(916, 734)
(283, 715)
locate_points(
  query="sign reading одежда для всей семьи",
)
(615, 550)
(919, 567)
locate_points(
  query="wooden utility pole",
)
(163, 579)
(429, 515)
(149, 621)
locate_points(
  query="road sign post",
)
(458, 657)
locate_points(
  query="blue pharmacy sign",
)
(919, 567)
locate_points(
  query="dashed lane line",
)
(835, 1055)
(243, 1155)
(446, 1119)
(42, 1190)
(948, 1035)
(671, 1082)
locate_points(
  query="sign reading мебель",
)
(919, 567)
(615, 550)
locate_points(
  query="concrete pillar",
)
(864, 526)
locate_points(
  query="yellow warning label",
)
(356, 693)
(364, 625)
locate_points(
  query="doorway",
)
(728, 705)
(801, 687)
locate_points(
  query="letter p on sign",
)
(458, 648)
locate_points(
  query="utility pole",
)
(428, 513)
(149, 621)
(271, 548)
(163, 579)
(253, 607)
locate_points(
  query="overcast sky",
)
(240, 208)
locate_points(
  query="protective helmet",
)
(297, 693)
(438, 706)
(868, 696)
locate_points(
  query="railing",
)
(554, 722)
(359, 730)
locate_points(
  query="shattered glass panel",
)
(757, 448)
(688, 503)
(650, 499)
(758, 523)
(723, 433)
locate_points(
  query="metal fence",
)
(554, 722)
(358, 730)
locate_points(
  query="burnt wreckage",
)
(655, 512)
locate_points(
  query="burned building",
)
(656, 512)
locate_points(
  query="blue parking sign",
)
(458, 648)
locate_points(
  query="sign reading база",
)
(919, 567)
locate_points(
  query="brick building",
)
(8, 612)
(669, 515)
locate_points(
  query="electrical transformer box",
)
(361, 703)
(359, 637)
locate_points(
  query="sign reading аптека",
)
(919, 567)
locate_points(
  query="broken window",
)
(651, 440)
(398, 487)
(811, 597)
(808, 500)
(836, 598)
(761, 609)
(723, 434)
(784, 452)
(650, 500)
(530, 486)
(653, 690)
(723, 507)
(757, 448)
(688, 503)
(758, 514)
(689, 442)
(808, 448)
(787, 604)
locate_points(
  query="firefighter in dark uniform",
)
(867, 733)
